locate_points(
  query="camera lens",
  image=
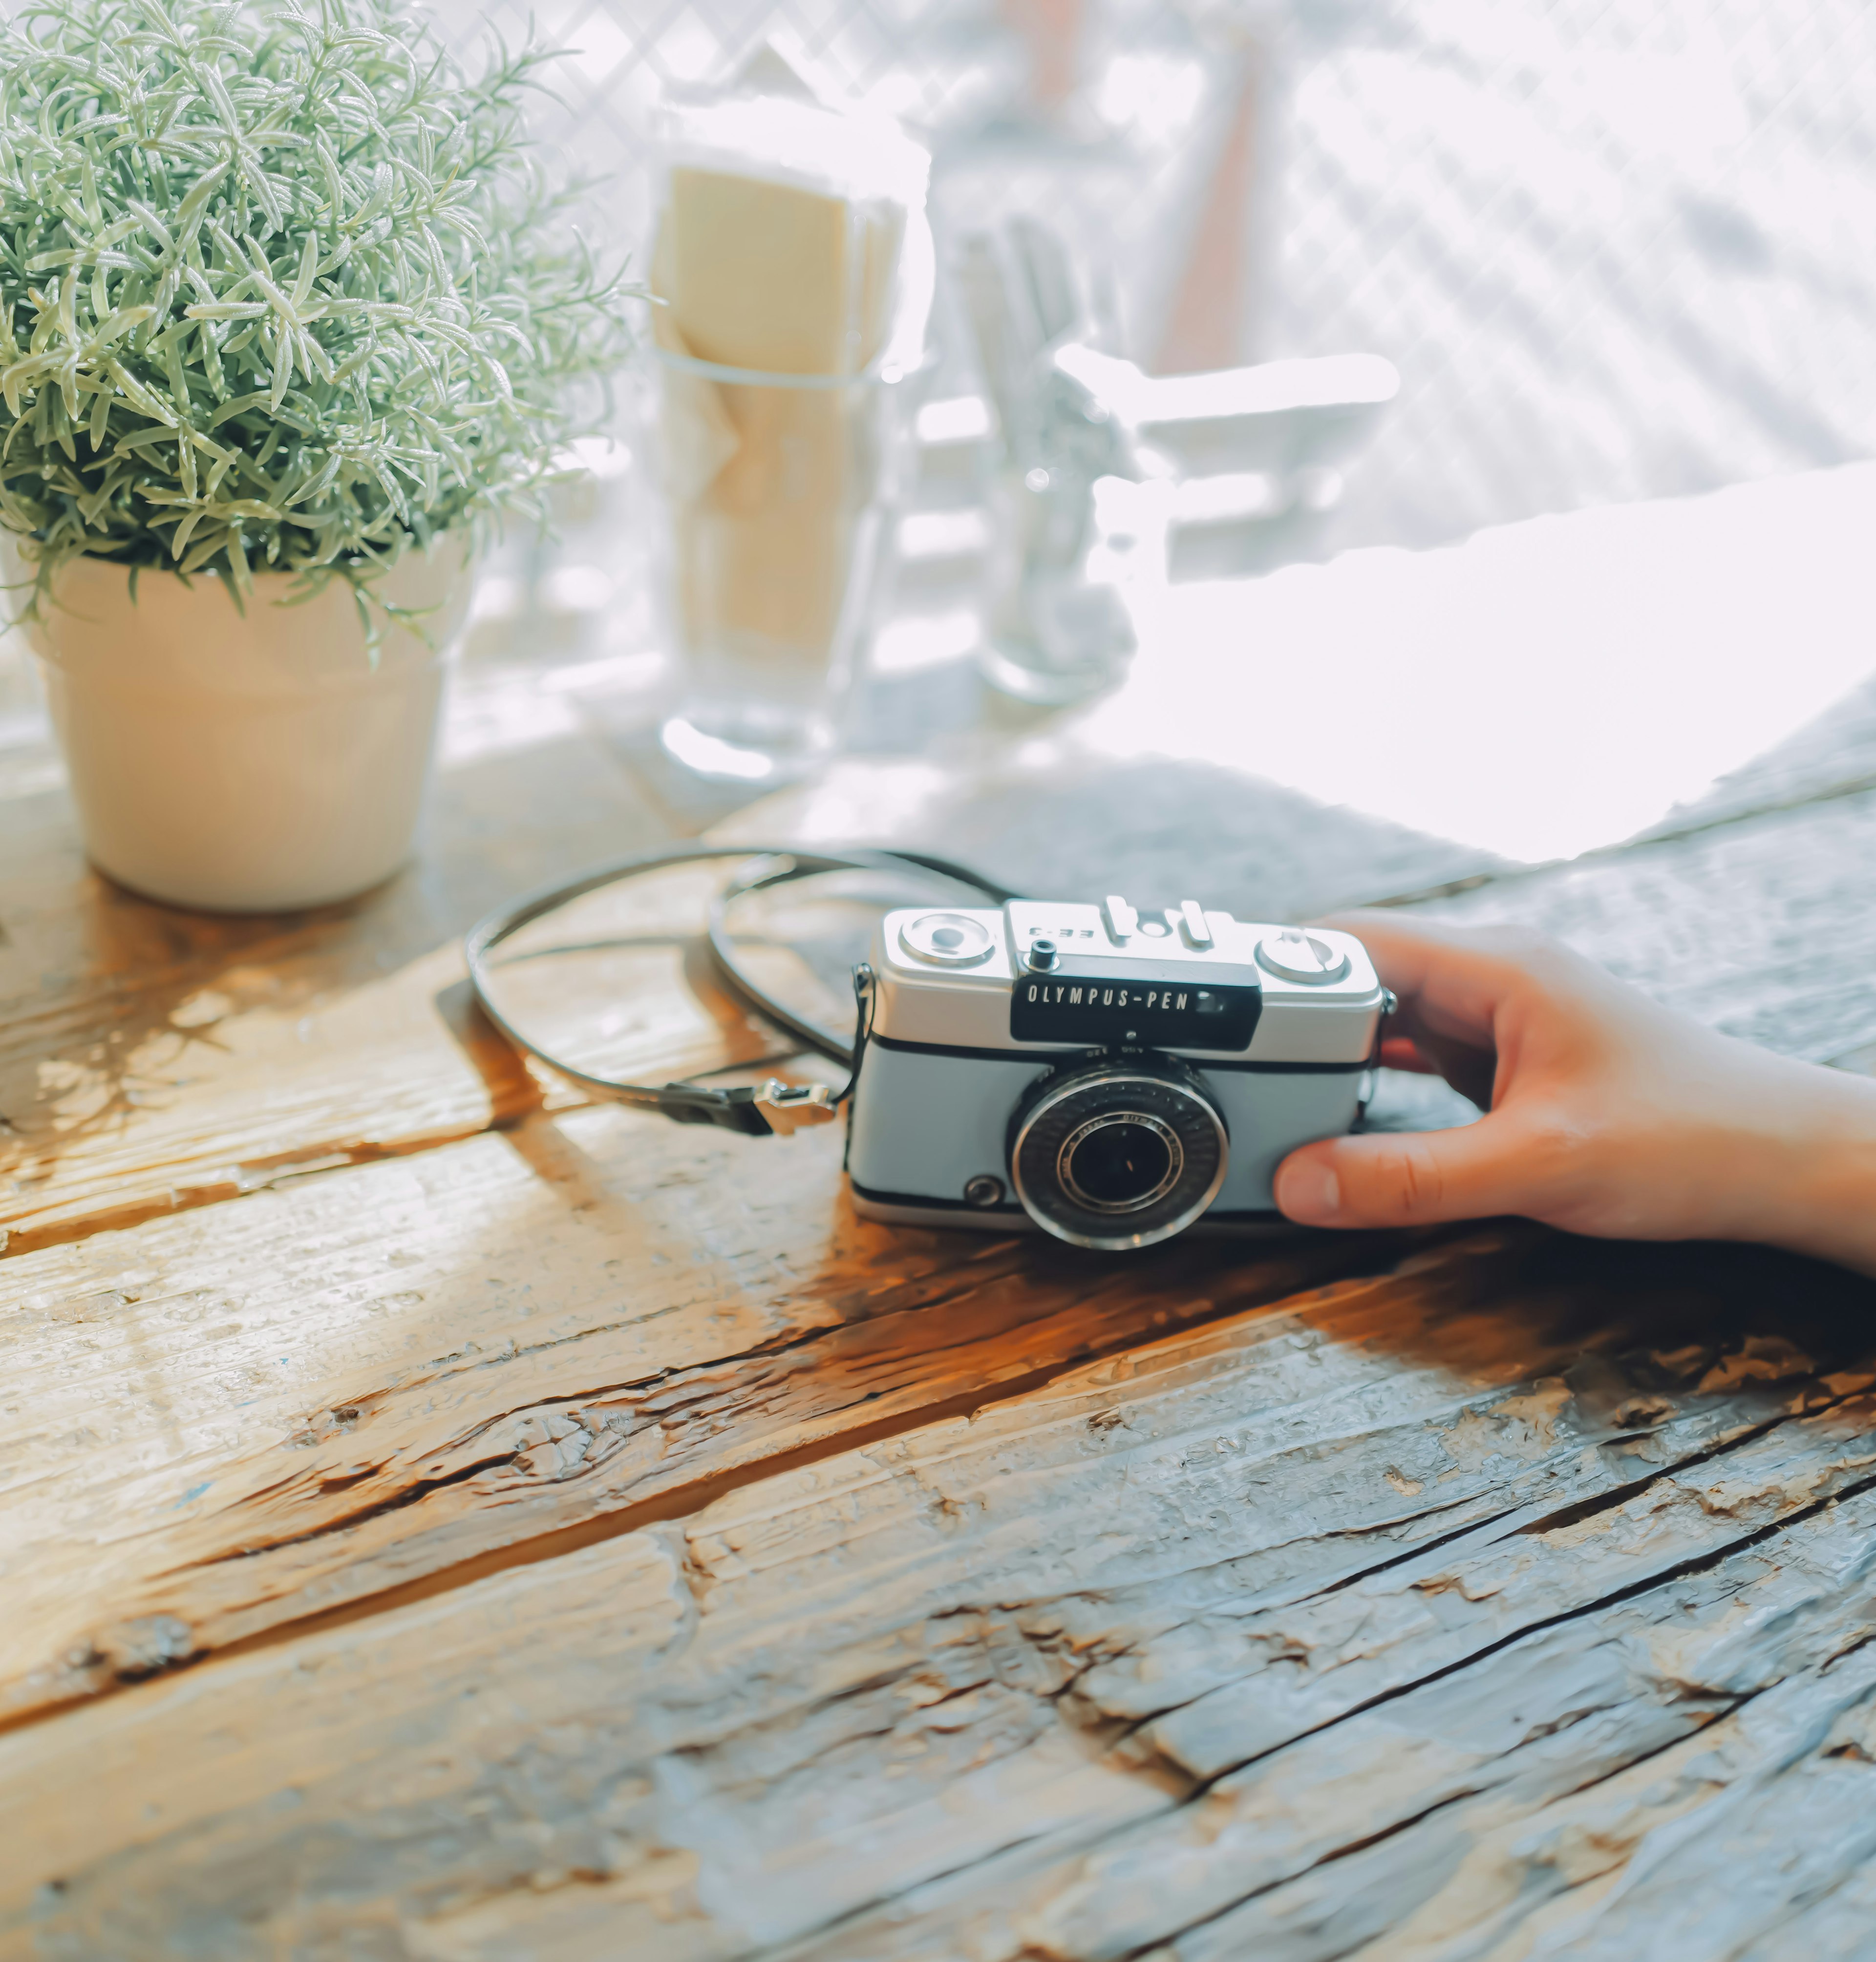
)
(1114, 1154)
(1120, 1162)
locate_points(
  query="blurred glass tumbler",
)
(793, 269)
(779, 497)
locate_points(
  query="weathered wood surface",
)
(1835, 756)
(1378, 1610)
(1741, 925)
(225, 1422)
(530, 1334)
(708, 1574)
(151, 1059)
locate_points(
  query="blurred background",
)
(1617, 251)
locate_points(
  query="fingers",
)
(1452, 980)
(1413, 1178)
(1410, 951)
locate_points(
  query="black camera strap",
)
(768, 1108)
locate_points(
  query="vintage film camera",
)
(1112, 1075)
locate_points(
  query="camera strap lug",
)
(865, 999)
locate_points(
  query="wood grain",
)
(151, 1059)
(457, 1431)
(579, 1537)
(1761, 927)
(1468, 1548)
(222, 1422)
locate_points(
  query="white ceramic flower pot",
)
(246, 764)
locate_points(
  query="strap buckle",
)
(771, 1109)
(791, 1107)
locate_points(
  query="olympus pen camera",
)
(1112, 1075)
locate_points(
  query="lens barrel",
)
(1112, 1154)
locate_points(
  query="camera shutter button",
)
(1292, 955)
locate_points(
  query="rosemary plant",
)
(280, 287)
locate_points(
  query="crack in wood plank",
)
(1131, 1889)
(865, 1675)
(513, 1403)
(920, 1687)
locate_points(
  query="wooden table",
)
(444, 1521)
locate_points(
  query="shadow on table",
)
(1626, 1334)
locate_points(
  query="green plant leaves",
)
(279, 286)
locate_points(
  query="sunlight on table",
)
(1543, 689)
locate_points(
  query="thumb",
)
(1410, 1179)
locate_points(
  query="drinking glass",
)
(780, 494)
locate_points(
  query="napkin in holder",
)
(793, 271)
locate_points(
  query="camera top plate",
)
(1323, 1013)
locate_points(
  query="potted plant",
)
(287, 313)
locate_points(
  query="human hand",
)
(1607, 1113)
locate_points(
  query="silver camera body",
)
(1109, 1075)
